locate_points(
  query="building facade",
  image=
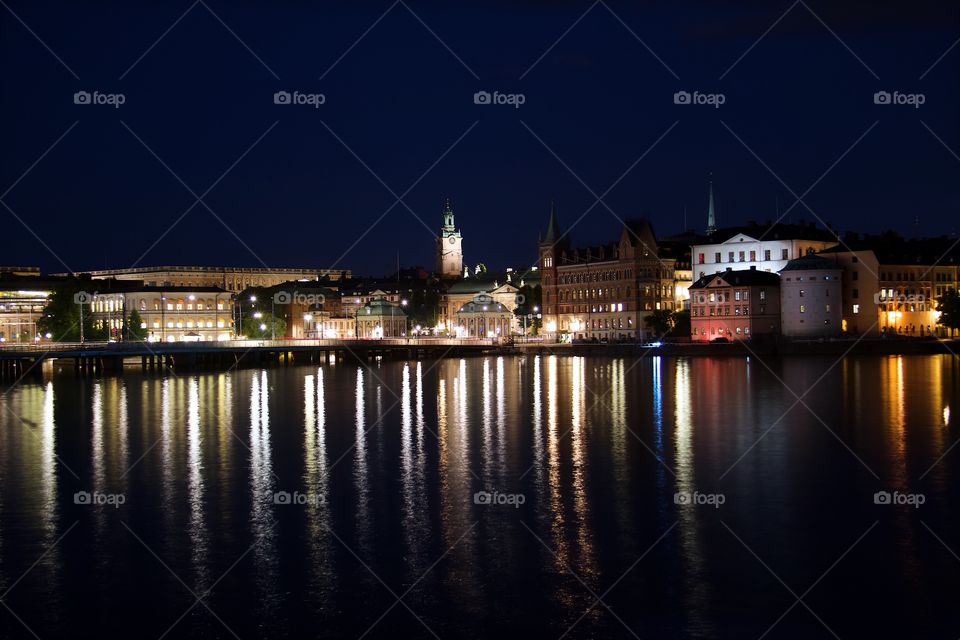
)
(23, 295)
(811, 298)
(167, 314)
(762, 247)
(605, 292)
(735, 305)
(484, 317)
(381, 319)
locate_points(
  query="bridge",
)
(17, 360)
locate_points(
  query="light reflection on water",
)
(597, 447)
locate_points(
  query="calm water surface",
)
(337, 501)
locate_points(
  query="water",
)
(382, 534)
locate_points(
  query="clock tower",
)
(449, 247)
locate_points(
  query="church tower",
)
(449, 246)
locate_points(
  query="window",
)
(700, 258)
(742, 258)
(854, 259)
(730, 257)
(855, 275)
(855, 293)
(856, 308)
(801, 293)
(763, 294)
(766, 254)
(827, 309)
(785, 254)
(716, 257)
(753, 256)
(736, 295)
(803, 309)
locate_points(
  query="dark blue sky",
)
(799, 99)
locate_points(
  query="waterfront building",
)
(168, 314)
(449, 246)
(23, 295)
(502, 288)
(811, 298)
(604, 292)
(735, 305)
(234, 279)
(484, 317)
(381, 319)
(891, 285)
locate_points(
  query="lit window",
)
(856, 308)
(803, 309)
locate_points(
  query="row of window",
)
(742, 255)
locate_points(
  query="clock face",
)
(453, 240)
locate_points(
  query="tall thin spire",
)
(552, 225)
(711, 214)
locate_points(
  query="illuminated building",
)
(381, 319)
(811, 298)
(23, 295)
(168, 314)
(483, 317)
(736, 305)
(604, 292)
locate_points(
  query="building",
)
(449, 246)
(501, 287)
(23, 296)
(811, 298)
(735, 305)
(484, 317)
(234, 279)
(764, 247)
(604, 292)
(891, 285)
(381, 319)
(168, 314)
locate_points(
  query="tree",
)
(659, 321)
(61, 315)
(260, 328)
(132, 329)
(422, 307)
(529, 303)
(681, 324)
(949, 308)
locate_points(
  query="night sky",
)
(399, 119)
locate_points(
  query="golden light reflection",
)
(199, 543)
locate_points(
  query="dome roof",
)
(380, 307)
(475, 306)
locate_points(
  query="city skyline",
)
(604, 90)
